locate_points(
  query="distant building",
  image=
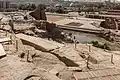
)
(4, 4)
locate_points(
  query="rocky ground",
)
(68, 62)
(60, 64)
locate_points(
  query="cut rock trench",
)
(31, 77)
(66, 61)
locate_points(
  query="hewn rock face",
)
(41, 67)
(66, 75)
(39, 13)
(110, 23)
(28, 53)
(104, 24)
(11, 68)
(44, 64)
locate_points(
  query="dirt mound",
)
(74, 24)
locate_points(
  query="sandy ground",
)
(52, 18)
